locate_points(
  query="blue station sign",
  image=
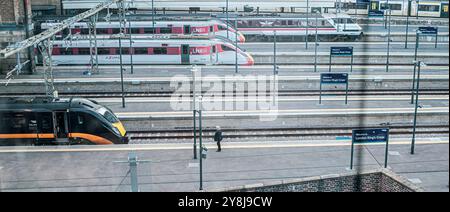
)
(334, 78)
(428, 30)
(342, 51)
(376, 13)
(370, 135)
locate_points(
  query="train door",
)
(185, 57)
(374, 6)
(444, 10)
(60, 126)
(187, 29)
(214, 54)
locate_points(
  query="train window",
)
(211, 29)
(85, 31)
(159, 50)
(214, 49)
(384, 6)
(135, 31)
(108, 115)
(149, 31)
(222, 27)
(66, 51)
(46, 122)
(125, 50)
(165, 30)
(102, 31)
(227, 48)
(116, 31)
(429, 8)
(84, 51)
(103, 51)
(140, 51)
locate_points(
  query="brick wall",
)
(371, 181)
(56, 3)
(12, 29)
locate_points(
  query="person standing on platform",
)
(218, 137)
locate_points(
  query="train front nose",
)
(250, 60)
(241, 37)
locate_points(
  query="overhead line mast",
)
(44, 41)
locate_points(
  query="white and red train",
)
(165, 51)
(204, 27)
(332, 25)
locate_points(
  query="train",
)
(423, 8)
(47, 121)
(192, 50)
(162, 26)
(329, 26)
(428, 8)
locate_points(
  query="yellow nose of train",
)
(120, 127)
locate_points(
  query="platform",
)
(93, 168)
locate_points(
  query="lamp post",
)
(307, 22)
(419, 64)
(417, 9)
(408, 13)
(316, 45)
(275, 72)
(121, 70)
(201, 142)
(415, 66)
(131, 48)
(228, 20)
(153, 17)
(236, 41)
(388, 42)
(194, 107)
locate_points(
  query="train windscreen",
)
(108, 115)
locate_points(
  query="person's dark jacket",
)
(218, 136)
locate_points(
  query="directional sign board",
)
(428, 30)
(342, 51)
(370, 135)
(376, 13)
(334, 78)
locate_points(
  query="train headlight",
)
(117, 131)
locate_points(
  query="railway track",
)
(166, 94)
(280, 133)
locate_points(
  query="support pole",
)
(413, 142)
(274, 52)
(121, 6)
(92, 24)
(388, 42)
(329, 68)
(407, 23)
(386, 154)
(352, 152)
(346, 92)
(132, 159)
(228, 20)
(131, 52)
(46, 49)
(201, 149)
(236, 41)
(415, 67)
(307, 23)
(316, 44)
